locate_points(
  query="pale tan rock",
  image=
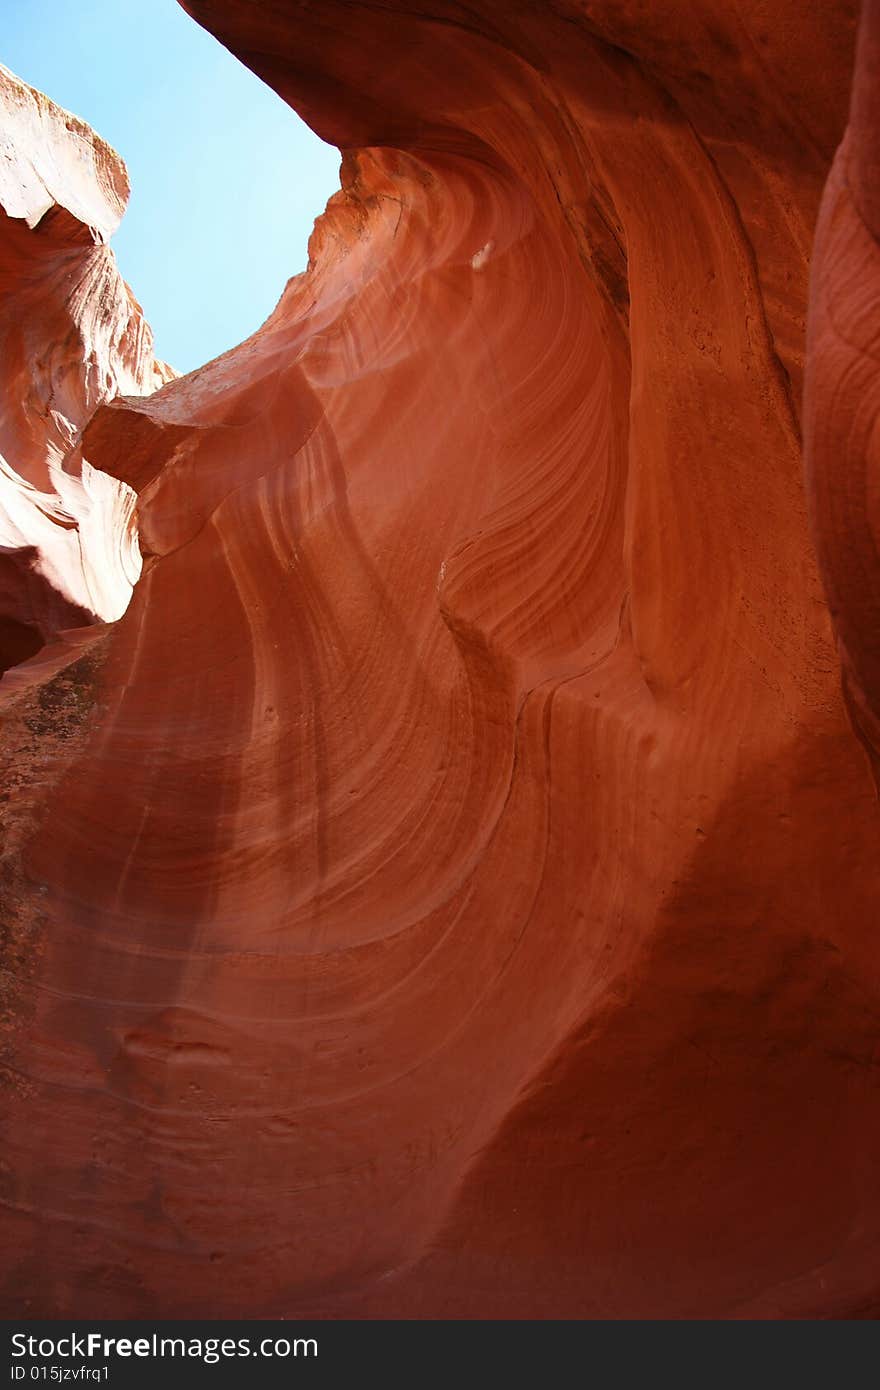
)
(71, 336)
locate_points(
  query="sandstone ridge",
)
(459, 897)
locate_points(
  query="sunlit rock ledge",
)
(72, 335)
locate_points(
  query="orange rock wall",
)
(71, 336)
(843, 393)
(462, 901)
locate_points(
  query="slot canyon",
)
(440, 737)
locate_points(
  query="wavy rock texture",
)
(457, 894)
(843, 392)
(71, 336)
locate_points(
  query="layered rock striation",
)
(71, 336)
(843, 393)
(458, 892)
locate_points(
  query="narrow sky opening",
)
(226, 179)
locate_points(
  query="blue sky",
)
(226, 180)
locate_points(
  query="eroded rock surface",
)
(71, 336)
(465, 899)
(843, 396)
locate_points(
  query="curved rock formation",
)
(843, 395)
(71, 336)
(458, 892)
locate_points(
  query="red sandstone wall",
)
(460, 899)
